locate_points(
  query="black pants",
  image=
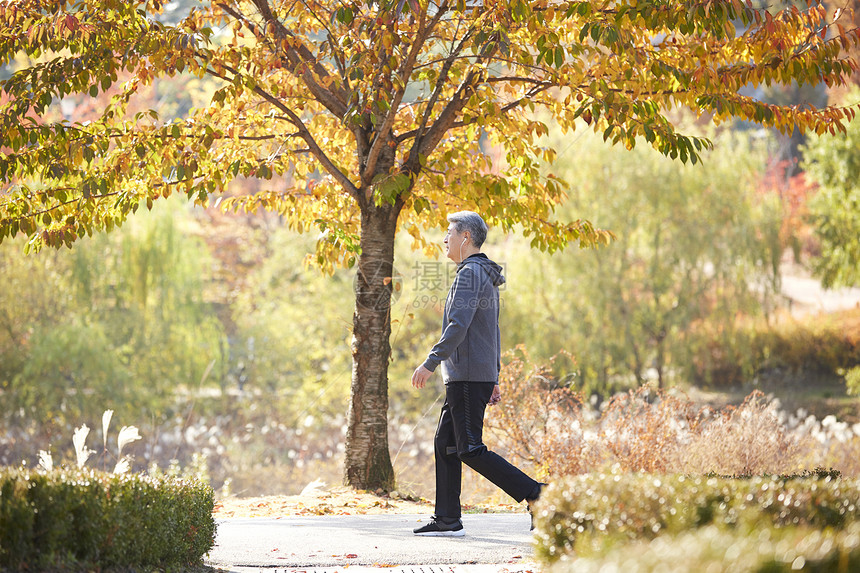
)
(459, 440)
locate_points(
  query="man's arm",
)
(464, 303)
(498, 347)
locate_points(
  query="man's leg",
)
(449, 469)
(467, 403)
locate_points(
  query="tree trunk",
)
(368, 463)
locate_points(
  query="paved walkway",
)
(493, 543)
(806, 295)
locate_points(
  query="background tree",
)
(697, 248)
(122, 320)
(293, 331)
(833, 164)
(373, 117)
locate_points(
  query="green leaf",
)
(421, 204)
(390, 187)
(583, 33)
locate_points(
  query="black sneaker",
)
(531, 500)
(441, 527)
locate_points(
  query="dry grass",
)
(645, 431)
(550, 427)
(540, 422)
(747, 440)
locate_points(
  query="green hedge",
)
(714, 549)
(85, 519)
(588, 514)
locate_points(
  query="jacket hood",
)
(493, 270)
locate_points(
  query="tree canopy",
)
(353, 102)
(377, 116)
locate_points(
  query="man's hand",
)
(496, 396)
(420, 377)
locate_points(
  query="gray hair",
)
(470, 221)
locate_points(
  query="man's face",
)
(454, 241)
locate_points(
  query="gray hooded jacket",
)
(470, 347)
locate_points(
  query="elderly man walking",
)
(469, 351)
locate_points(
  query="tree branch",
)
(424, 145)
(315, 149)
(300, 58)
(404, 73)
(440, 83)
(303, 132)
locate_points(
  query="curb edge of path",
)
(521, 567)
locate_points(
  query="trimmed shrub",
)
(85, 519)
(716, 550)
(591, 513)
